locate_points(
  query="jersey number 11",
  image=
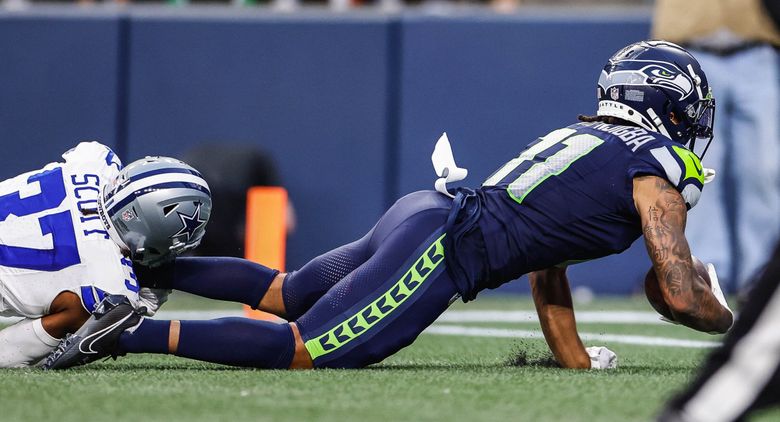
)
(549, 156)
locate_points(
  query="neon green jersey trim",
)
(580, 145)
(377, 310)
(692, 164)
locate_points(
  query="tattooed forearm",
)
(664, 214)
(664, 226)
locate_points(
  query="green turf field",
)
(439, 378)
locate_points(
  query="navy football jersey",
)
(568, 197)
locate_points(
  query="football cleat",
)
(98, 337)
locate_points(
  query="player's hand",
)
(601, 357)
(152, 299)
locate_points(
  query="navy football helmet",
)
(645, 82)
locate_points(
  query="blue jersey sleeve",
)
(674, 163)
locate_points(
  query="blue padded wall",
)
(310, 91)
(58, 77)
(349, 105)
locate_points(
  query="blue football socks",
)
(220, 278)
(228, 341)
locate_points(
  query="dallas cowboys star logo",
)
(190, 223)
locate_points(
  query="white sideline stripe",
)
(459, 330)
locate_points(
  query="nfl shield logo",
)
(614, 93)
(128, 215)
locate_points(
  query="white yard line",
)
(459, 330)
(609, 317)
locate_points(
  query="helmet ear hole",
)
(168, 209)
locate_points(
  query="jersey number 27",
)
(64, 251)
(550, 156)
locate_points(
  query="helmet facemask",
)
(700, 121)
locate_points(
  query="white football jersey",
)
(52, 241)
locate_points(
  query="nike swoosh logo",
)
(91, 339)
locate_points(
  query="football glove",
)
(716, 290)
(152, 299)
(709, 175)
(601, 357)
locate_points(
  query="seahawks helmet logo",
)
(660, 74)
(670, 78)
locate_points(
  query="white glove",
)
(709, 175)
(716, 291)
(601, 357)
(152, 299)
(444, 164)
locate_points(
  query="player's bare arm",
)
(663, 213)
(66, 315)
(552, 298)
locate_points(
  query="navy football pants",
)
(370, 298)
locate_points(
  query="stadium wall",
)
(349, 105)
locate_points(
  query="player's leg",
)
(31, 339)
(253, 284)
(286, 295)
(24, 344)
(749, 359)
(372, 313)
(383, 322)
(387, 302)
(393, 296)
(292, 294)
(398, 279)
(220, 278)
(260, 287)
(229, 341)
(302, 288)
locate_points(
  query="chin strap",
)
(444, 165)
